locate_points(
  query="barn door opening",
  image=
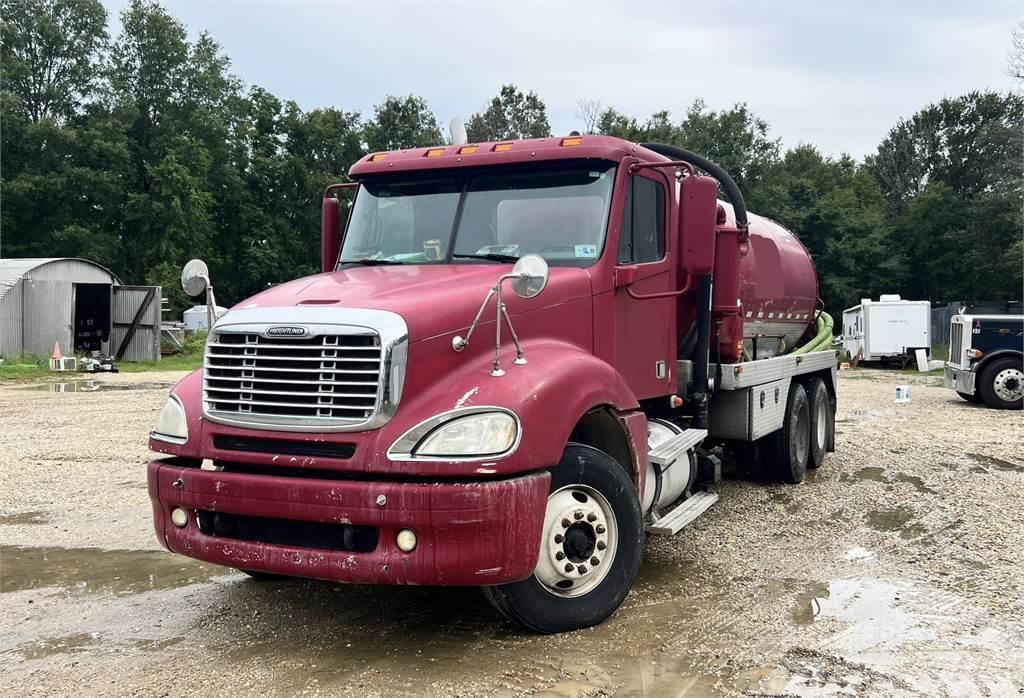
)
(136, 327)
(91, 317)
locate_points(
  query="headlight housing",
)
(172, 425)
(473, 433)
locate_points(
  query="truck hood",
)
(433, 299)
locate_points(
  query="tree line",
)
(143, 150)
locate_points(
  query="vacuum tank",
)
(765, 290)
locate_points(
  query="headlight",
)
(171, 425)
(478, 433)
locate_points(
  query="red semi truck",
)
(520, 358)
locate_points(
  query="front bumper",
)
(469, 533)
(960, 380)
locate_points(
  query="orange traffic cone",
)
(56, 351)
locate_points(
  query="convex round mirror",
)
(195, 277)
(531, 276)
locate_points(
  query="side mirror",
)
(529, 276)
(330, 227)
(195, 277)
(698, 214)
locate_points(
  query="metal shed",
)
(78, 303)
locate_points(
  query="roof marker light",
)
(377, 157)
(468, 149)
(573, 140)
(502, 147)
(434, 153)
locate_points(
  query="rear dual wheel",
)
(590, 548)
(802, 442)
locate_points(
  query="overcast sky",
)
(836, 74)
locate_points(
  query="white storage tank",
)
(195, 317)
(889, 329)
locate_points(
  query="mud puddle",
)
(884, 475)
(96, 571)
(899, 519)
(87, 386)
(24, 518)
(997, 463)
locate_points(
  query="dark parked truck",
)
(521, 358)
(986, 359)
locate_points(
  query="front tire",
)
(1001, 384)
(590, 548)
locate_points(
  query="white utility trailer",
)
(889, 329)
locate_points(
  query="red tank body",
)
(765, 291)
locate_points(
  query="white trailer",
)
(889, 329)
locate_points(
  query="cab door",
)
(645, 336)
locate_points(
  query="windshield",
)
(558, 213)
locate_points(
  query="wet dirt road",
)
(895, 570)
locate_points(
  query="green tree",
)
(972, 143)
(402, 122)
(510, 115)
(735, 139)
(49, 50)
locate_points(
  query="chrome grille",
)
(956, 338)
(320, 381)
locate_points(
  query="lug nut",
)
(594, 561)
(558, 538)
(582, 569)
(559, 555)
(600, 528)
(591, 517)
(578, 515)
(568, 567)
(565, 523)
(601, 545)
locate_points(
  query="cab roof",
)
(501, 153)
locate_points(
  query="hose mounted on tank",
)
(702, 351)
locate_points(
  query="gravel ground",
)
(894, 570)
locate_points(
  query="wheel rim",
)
(579, 541)
(1007, 384)
(821, 425)
(801, 432)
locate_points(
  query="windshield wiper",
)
(371, 262)
(490, 256)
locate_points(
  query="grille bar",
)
(318, 381)
(285, 369)
(956, 339)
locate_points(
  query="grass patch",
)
(175, 362)
(30, 368)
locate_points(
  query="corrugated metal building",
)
(78, 303)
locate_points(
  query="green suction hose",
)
(822, 340)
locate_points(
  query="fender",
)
(997, 354)
(550, 394)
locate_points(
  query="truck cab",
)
(986, 359)
(519, 359)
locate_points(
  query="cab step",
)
(684, 514)
(669, 452)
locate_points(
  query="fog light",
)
(179, 517)
(406, 540)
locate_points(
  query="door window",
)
(643, 222)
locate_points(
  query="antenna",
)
(457, 131)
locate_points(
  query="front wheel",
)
(1002, 384)
(590, 548)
